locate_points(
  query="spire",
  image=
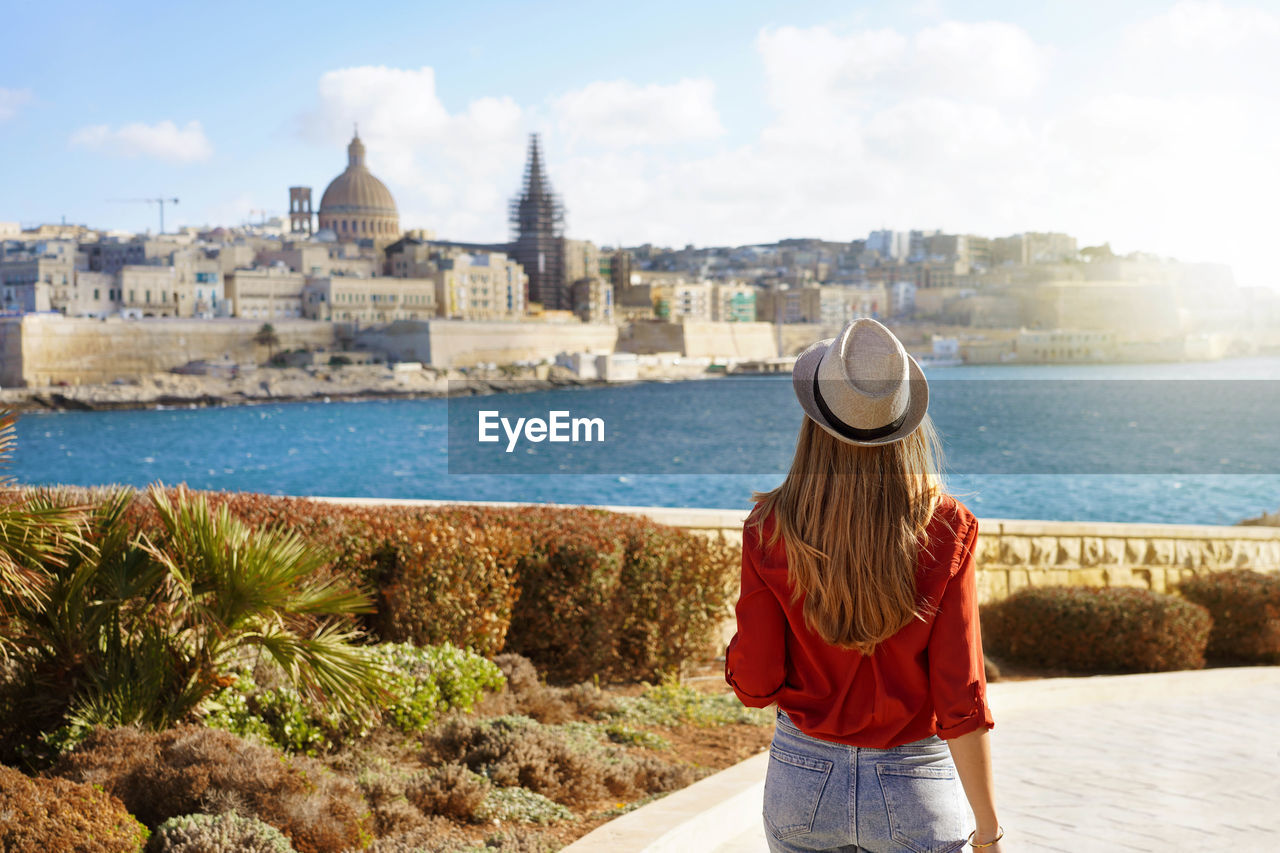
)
(535, 183)
(355, 151)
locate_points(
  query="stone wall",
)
(41, 350)
(697, 339)
(463, 343)
(1015, 553)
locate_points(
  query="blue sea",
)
(1188, 443)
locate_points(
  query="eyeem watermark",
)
(559, 426)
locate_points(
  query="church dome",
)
(356, 204)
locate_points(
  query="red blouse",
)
(926, 679)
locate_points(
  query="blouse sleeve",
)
(754, 663)
(957, 677)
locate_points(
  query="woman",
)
(858, 618)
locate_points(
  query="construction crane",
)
(157, 201)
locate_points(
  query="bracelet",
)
(991, 843)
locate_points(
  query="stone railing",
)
(1015, 553)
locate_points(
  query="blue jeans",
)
(820, 795)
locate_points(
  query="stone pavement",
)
(1160, 762)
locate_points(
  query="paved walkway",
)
(1163, 762)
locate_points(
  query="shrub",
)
(583, 592)
(203, 833)
(450, 790)
(137, 628)
(574, 765)
(608, 595)
(674, 704)
(1245, 606)
(38, 815)
(527, 695)
(522, 805)
(1097, 630)
(418, 686)
(194, 769)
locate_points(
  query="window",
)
(95, 294)
(148, 297)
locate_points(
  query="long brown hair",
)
(852, 518)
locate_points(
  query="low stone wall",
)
(38, 350)
(1015, 553)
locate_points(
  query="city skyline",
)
(1129, 126)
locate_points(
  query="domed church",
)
(358, 206)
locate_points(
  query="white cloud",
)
(619, 113)
(163, 140)
(448, 171)
(12, 100)
(1165, 144)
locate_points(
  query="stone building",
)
(266, 293)
(368, 301)
(358, 206)
(593, 300)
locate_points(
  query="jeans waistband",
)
(924, 744)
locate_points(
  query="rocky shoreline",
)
(287, 385)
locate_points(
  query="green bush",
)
(38, 815)
(1245, 606)
(204, 833)
(583, 592)
(419, 685)
(142, 627)
(615, 596)
(1083, 629)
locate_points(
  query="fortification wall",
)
(730, 340)
(1016, 553)
(463, 343)
(40, 350)
(695, 339)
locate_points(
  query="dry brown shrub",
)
(433, 835)
(191, 769)
(450, 790)
(39, 815)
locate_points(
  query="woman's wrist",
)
(985, 837)
(986, 831)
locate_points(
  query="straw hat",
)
(862, 386)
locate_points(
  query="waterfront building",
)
(356, 205)
(733, 303)
(1065, 345)
(267, 293)
(479, 286)
(92, 294)
(537, 222)
(368, 301)
(148, 290)
(581, 260)
(593, 300)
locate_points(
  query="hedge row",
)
(582, 592)
(1245, 606)
(1082, 629)
(1229, 617)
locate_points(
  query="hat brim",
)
(806, 368)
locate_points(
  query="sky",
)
(1154, 126)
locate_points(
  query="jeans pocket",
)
(793, 787)
(923, 803)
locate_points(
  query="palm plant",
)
(31, 538)
(137, 628)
